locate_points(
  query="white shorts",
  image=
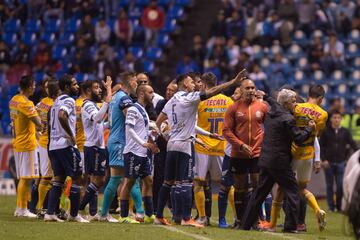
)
(208, 163)
(82, 161)
(302, 169)
(26, 164)
(44, 161)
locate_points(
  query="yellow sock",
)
(275, 212)
(200, 200)
(231, 200)
(20, 190)
(44, 187)
(311, 201)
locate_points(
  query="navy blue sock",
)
(124, 208)
(222, 203)
(74, 200)
(46, 201)
(89, 194)
(93, 204)
(34, 198)
(178, 202)
(186, 192)
(172, 199)
(148, 204)
(164, 196)
(268, 202)
(54, 197)
(208, 200)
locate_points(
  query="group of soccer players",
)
(64, 138)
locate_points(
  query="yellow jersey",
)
(304, 112)
(80, 136)
(211, 113)
(43, 108)
(23, 129)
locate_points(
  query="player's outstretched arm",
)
(222, 87)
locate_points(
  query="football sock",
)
(275, 211)
(178, 200)
(44, 187)
(109, 194)
(200, 200)
(148, 203)
(186, 196)
(34, 193)
(164, 195)
(23, 193)
(74, 200)
(312, 201)
(93, 204)
(124, 208)
(231, 199)
(267, 203)
(90, 191)
(54, 197)
(208, 200)
(172, 199)
(136, 196)
(222, 203)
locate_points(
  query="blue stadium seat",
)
(111, 24)
(154, 53)
(294, 52)
(12, 25)
(29, 38)
(274, 50)
(304, 89)
(33, 25)
(183, 3)
(137, 51)
(142, 3)
(119, 54)
(170, 26)
(341, 90)
(124, 3)
(163, 40)
(58, 52)
(299, 38)
(299, 78)
(355, 77)
(134, 13)
(149, 66)
(53, 25)
(66, 39)
(319, 77)
(49, 38)
(337, 78)
(354, 36)
(39, 76)
(72, 25)
(258, 52)
(164, 3)
(9, 38)
(79, 76)
(175, 12)
(352, 51)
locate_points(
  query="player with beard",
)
(137, 162)
(94, 146)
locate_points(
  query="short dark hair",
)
(141, 88)
(26, 82)
(124, 78)
(194, 75)
(209, 79)
(64, 81)
(335, 112)
(88, 84)
(180, 78)
(316, 91)
(53, 87)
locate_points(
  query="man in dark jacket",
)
(334, 145)
(275, 159)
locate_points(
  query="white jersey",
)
(59, 139)
(182, 110)
(156, 99)
(138, 119)
(93, 124)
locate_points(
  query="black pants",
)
(268, 177)
(159, 172)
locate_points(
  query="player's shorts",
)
(136, 166)
(26, 164)
(66, 162)
(302, 169)
(116, 158)
(226, 176)
(205, 163)
(95, 161)
(179, 166)
(244, 166)
(44, 162)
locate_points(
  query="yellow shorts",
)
(27, 165)
(44, 161)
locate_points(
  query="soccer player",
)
(181, 112)
(137, 162)
(46, 172)
(63, 153)
(226, 188)
(94, 146)
(211, 114)
(243, 128)
(119, 104)
(24, 122)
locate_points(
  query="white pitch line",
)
(173, 229)
(282, 236)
